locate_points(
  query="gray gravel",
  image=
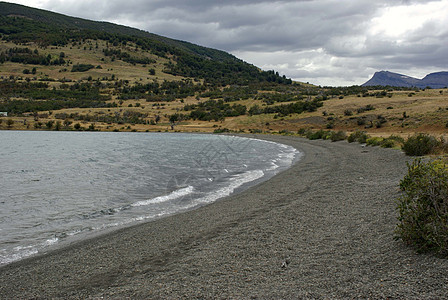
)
(322, 229)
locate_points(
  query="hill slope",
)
(67, 22)
(21, 24)
(386, 78)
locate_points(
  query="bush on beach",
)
(358, 136)
(337, 136)
(420, 144)
(423, 207)
(417, 145)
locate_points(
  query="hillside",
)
(64, 73)
(21, 24)
(436, 80)
(72, 23)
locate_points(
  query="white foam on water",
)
(51, 241)
(235, 182)
(273, 167)
(174, 195)
(21, 252)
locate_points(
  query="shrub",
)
(337, 136)
(392, 141)
(374, 141)
(368, 107)
(285, 132)
(49, 124)
(301, 131)
(82, 67)
(423, 207)
(442, 146)
(387, 143)
(221, 130)
(361, 121)
(316, 135)
(358, 136)
(420, 144)
(256, 130)
(10, 122)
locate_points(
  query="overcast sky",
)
(325, 42)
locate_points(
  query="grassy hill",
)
(64, 73)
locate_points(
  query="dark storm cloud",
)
(286, 34)
(233, 25)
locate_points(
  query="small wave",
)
(17, 256)
(273, 167)
(21, 252)
(50, 242)
(174, 195)
(236, 182)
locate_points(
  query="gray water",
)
(59, 186)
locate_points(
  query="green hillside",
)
(21, 24)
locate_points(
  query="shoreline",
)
(321, 229)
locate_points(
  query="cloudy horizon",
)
(324, 42)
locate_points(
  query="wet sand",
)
(322, 229)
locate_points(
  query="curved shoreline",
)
(320, 229)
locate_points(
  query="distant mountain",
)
(436, 80)
(386, 78)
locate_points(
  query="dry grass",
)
(91, 55)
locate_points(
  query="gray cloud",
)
(321, 41)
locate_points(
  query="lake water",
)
(56, 187)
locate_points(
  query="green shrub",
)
(254, 131)
(358, 136)
(82, 67)
(423, 207)
(396, 138)
(420, 144)
(285, 132)
(316, 135)
(337, 136)
(374, 141)
(221, 130)
(301, 131)
(387, 143)
(392, 141)
(361, 121)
